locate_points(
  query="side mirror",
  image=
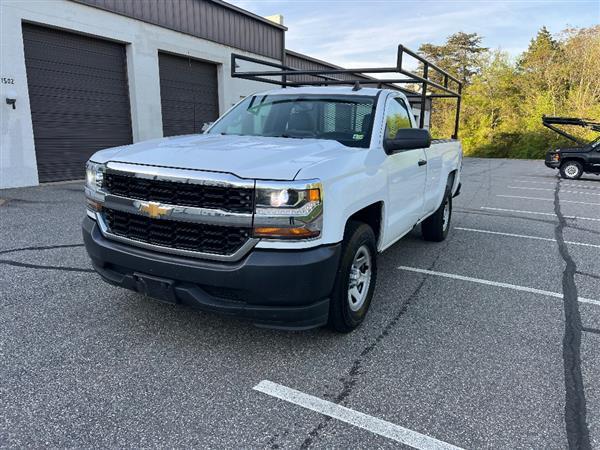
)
(408, 139)
(206, 126)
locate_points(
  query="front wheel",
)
(571, 170)
(356, 278)
(435, 228)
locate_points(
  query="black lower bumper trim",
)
(279, 289)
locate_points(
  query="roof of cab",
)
(328, 90)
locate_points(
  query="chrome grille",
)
(185, 212)
(226, 198)
(177, 235)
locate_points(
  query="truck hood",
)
(574, 149)
(245, 156)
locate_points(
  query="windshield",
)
(346, 119)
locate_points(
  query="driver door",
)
(406, 174)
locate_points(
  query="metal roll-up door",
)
(188, 92)
(79, 99)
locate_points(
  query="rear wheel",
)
(356, 278)
(571, 170)
(435, 228)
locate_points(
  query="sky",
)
(354, 33)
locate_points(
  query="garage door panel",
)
(89, 121)
(81, 133)
(188, 95)
(58, 110)
(188, 91)
(52, 94)
(72, 148)
(79, 99)
(50, 99)
(57, 39)
(77, 63)
(75, 82)
(69, 60)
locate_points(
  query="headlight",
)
(288, 210)
(94, 176)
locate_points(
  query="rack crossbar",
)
(357, 77)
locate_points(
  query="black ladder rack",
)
(357, 78)
(550, 122)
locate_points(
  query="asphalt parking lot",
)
(489, 339)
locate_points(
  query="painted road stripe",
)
(563, 183)
(514, 287)
(538, 238)
(547, 189)
(347, 415)
(547, 199)
(538, 213)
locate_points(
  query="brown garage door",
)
(188, 92)
(79, 99)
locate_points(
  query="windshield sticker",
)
(358, 137)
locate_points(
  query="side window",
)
(396, 117)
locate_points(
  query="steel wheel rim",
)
(572, 170)
(360, 278)
(446, 215)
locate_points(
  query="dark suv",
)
(579, 159)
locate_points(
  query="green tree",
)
(504, 101)
(460, 54)
(491, 107)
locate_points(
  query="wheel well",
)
(372, 216)
(579, 160)
(450, 182)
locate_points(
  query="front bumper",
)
(550, 161)
(552, 164)
(278, 289)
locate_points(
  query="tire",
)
(571, 170)
(346, 311)
(435, 228)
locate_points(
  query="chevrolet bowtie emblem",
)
(154, 209)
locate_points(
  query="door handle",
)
(422, 162)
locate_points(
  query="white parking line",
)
(564, 183)
(358, 419)
(538, 213)
(547, 199)
(514, 287)
(547, 189)
(538, 238)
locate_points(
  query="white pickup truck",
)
(278, 211)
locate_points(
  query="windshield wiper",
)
(290, 136)
(283, 135)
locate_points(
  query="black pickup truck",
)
(573, 162)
